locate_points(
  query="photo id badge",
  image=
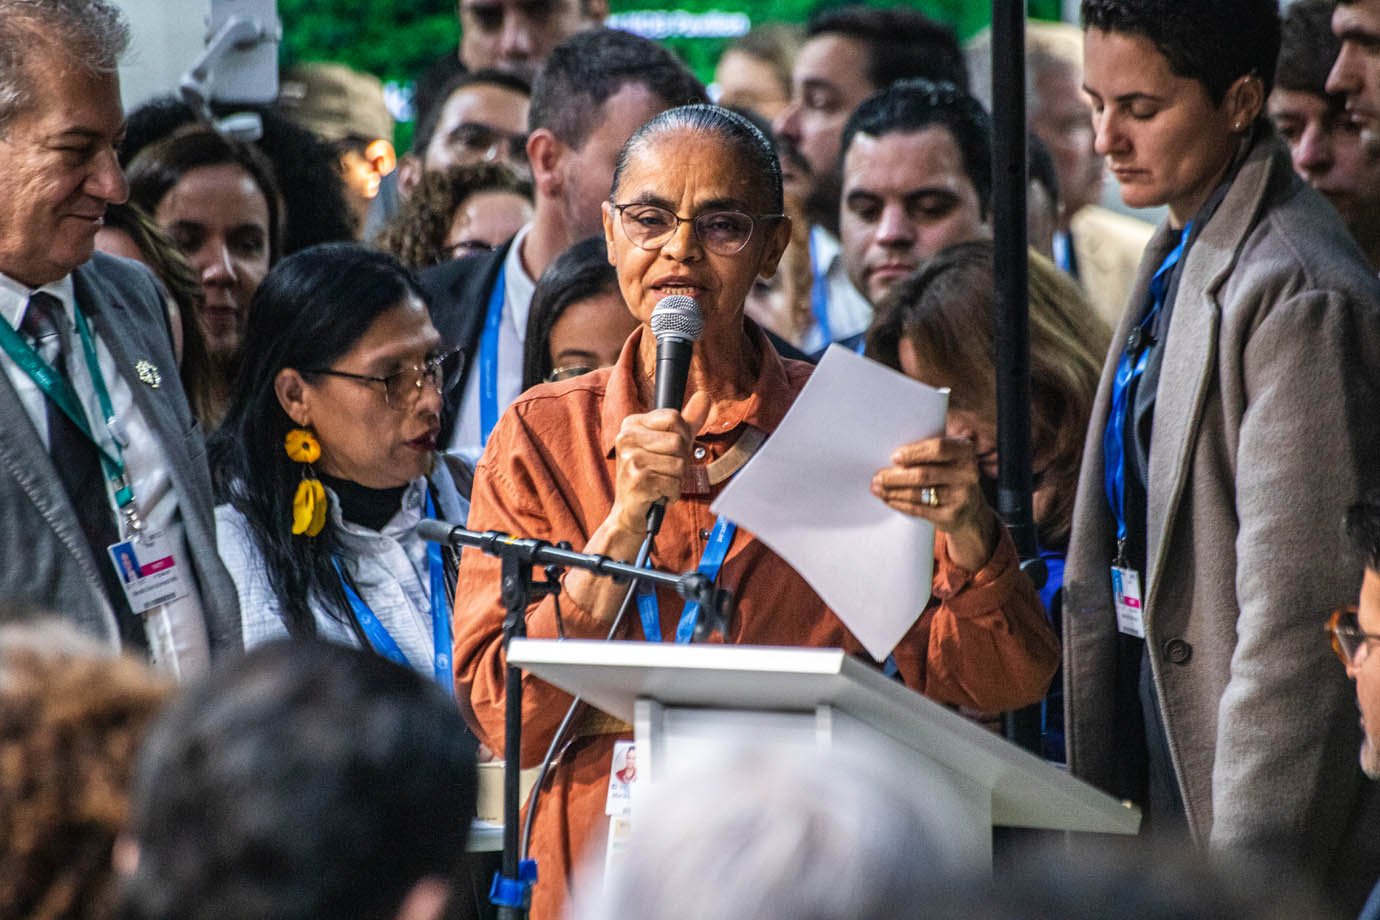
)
(1130, 614)
(149, 571)
(622, 774)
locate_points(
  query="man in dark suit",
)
(594, 90)
(97, 444)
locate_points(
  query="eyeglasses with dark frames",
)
(721, 232)
(402, 388)
(1347, 636)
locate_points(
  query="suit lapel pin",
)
(148, 372)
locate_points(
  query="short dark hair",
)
(901, 43)
(1307, 48)
(581, 272)
(428, 118)
(589, 68)
(913, 105)
(1193, 37)
(1362, 524)
(161, 165)
(757, 152)
(301, 780)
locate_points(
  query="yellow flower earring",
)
(309, 504)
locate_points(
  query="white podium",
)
(680, 698)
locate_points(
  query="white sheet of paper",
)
(806, 494)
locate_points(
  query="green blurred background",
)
(397, 39)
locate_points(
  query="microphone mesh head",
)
(677, 316)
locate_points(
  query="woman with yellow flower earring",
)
(326, 461)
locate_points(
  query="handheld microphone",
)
(677, 324)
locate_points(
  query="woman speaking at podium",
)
(696, 210)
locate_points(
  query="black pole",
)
(1011, 323)
(511, 892)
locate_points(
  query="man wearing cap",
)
(346, 109)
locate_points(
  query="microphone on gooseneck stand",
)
(677, 324)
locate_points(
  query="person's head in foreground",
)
(303, 780)
(1128, 878)
(71, 719)
(1173, 103)
(806, 834)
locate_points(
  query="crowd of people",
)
(238, 373)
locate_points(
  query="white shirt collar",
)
(518, 285)
(14, 297)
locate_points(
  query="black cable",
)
(557, 740)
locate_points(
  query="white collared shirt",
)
(176, 631)
(518, 287)
(849, 311)
(388, 567)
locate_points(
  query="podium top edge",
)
(634, 653)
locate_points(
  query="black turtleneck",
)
(371, 508)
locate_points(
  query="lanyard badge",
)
(1127, 594)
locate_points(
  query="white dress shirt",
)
(518, 287)
(848, 310)
(176, 631)
(388, 567)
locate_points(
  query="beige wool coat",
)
(1266, 427)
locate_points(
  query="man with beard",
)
(851, 52)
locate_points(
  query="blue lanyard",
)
(488, 361)
(720, 539)
(378, 635)
(1128, 370)
(819, 294)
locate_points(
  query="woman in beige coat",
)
(1235, 421)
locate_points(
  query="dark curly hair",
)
(71, 722)
(1213, 42)
(417, 233)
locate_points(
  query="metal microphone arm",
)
(716, 604)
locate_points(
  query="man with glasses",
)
(594, 90)
(481, 117)
(1355, 630)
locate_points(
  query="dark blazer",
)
(47, 562)
(459, 293)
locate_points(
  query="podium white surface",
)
(680, 698)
